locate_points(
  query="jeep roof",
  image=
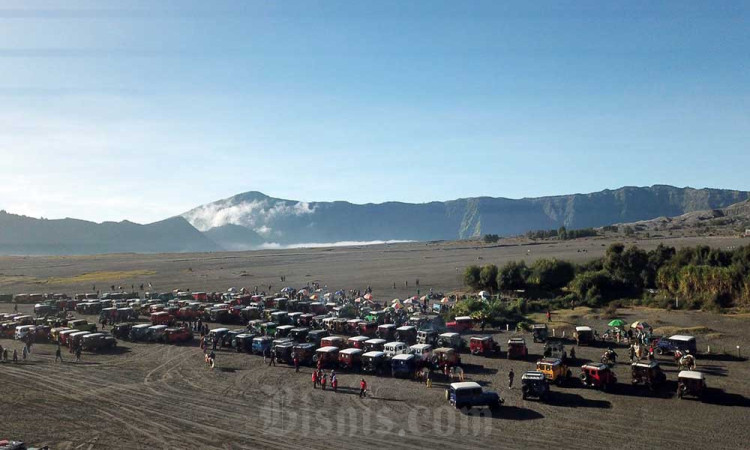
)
(647, 365)
(691, 374)
(350, 351)
(553, 361)
(449, 335)
(533, 375)
(358, 339)
(373, 354)
(583, 328)
(403, 357)
(465, 385)
(375, 341)
(681, 337)
(481, 338)
(420, 346)
(595, 366)
(329, 349)
(517, 340)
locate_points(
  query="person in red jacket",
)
(362, 388)
(315, 379)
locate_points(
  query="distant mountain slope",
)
(290, 222)
(27, 235)
(234, 237)
(734, 218)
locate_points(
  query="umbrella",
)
(445, 300)
(639, 325)
(408, 301)
(395, 300)
(616, 323)
(314, 297)
(368, 296)
(423, 298)
(327, 295)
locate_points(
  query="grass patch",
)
(680, 330)
(100, 277)
(12, 279)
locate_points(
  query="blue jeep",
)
(469, 394)
(261, 344)
(677, 342)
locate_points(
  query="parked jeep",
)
(539, 331)
(554, 370)
(648, 374)
(98, 341)
(598, 376)
(534, 384)
(483, 345)
(469, 394)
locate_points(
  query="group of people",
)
(6, 354)
(319, 377)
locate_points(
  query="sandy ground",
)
(435, 265)
(159, 396)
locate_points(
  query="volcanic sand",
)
(159, 396)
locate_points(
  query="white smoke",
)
(254, 215)
(277, 246)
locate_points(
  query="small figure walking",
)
(272, 362)
(549, 316)
(15, 355)
(511, 375)
(58, 354)
(25, 352)
(296, 362)
(315, 379)
(78, 354)
(362, 388)
(334, 382)
(323, 381)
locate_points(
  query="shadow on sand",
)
(568, 400)
(714, 396)
(513, 413)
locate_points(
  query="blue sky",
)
(133, 110)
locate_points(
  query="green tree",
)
(488, 277)
(552, 274)
(512, 276)
(490, 238)
(471, 277)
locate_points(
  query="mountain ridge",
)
(30, 236)
(293, 222)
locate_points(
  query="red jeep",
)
(162, 318)
(483, 345)
(177, 335)
(461, 323)
(598, 376)
(517, 348)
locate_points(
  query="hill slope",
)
(730, 220)
(27, 235)
(290, 222)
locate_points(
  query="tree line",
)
(696, 277)
(561, 233)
